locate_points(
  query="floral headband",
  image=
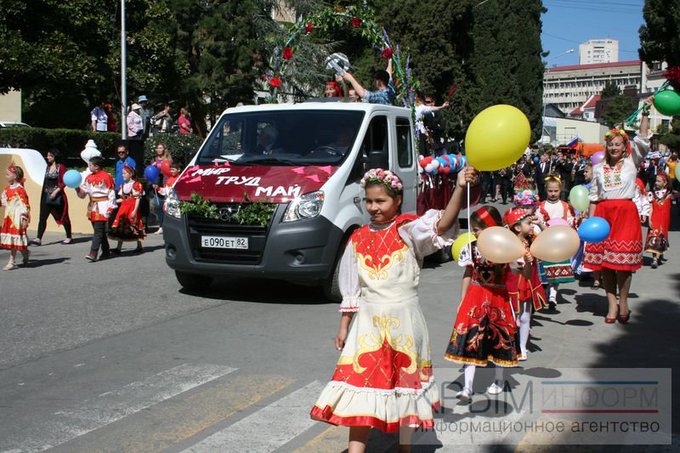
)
(391, 181)
(609, 136)
(525, 198)
(12, 168)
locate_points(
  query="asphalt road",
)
(113, 356)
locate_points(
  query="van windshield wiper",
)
(270, 161)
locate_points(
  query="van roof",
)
(347, 106)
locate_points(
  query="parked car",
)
(13, 124)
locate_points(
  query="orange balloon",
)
(588, 149)
(499, 245)
(165, 167)
(556, 243)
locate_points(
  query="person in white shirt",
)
(135, 124)
(611, 197)
(99, 120)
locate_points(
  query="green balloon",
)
(667, 102)
(578, 197)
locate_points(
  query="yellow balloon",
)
(497, 137)
(461, 241)
(556, 243)
(500, 245)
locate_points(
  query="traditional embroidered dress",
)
(613, 189)
(561, 272)
(485, 325)
(100, 187)
(659, 221)
(127, 226)
(383, 377)
(17, 208)
(522, 289)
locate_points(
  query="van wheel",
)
(193, 282)
(331, 287)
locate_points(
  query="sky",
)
(571, 22)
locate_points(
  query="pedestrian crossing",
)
(208, 408)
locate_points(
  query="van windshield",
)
(300, 137)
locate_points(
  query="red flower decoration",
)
(309, 27)
(287, 53)
(356, 22)
(275, 82)
(387, 53)
(672, 74)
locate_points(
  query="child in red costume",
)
(127, 226)
(99, 186)
(17, 217)
(659, 219)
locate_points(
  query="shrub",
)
(181, 147)
(70, 142)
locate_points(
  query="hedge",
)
(70, 142)
(181, 147)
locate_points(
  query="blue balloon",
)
(536, 159)
(594, 230)
(151, 173)
(72, 179)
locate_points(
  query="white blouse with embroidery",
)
(618, 182)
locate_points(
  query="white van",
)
(285, 181)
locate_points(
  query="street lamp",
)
(123, 70)
(560, 55)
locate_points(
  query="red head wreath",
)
(514, 216)
(17, 171)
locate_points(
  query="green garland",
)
(360, 18)
(249, 213)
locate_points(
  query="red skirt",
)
(622, 250)
(659, 224)
(484, 330)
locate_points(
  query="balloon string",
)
(468, 221)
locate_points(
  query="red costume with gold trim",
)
(522, 289)
(383, 378)
(659, 221)
(17, 209)
(128, 226)
(100, 187)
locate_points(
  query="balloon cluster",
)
(444, 164)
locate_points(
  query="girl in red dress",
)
(383, 378)
(525, 289)
(127, 226)
(660, 219)
(17, 216)
(485, 327)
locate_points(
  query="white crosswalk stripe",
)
(267, 429)
(112, 406)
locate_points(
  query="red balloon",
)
(165, 168)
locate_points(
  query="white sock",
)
(499, 375)
(553, 292)
(524, 326)
(469, 375)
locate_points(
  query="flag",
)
(573, 143)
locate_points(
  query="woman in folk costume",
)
(611, 197)
(127, 226)
(660, 219)
(485, 326)
(383, 378)
(552, 208)
(525, 288)
(17, 217)
(99, 186)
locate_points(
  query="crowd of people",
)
(119, 204)
(140, 121)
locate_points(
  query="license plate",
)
(221, 242)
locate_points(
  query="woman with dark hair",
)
(53, 199)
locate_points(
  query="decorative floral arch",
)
(357, 18)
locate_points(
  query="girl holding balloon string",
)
(485, 327)
(611, 197)
(525, 288)
(383, 377)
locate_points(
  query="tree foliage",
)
(617, 109)
(610, 90)
(660, 35)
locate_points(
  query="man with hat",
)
(135, 124)
(145, 114)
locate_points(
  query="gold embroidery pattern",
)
(371, 343)
(612, 176)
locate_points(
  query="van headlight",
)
(305, 206)
(171, 205)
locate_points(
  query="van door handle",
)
(357, 200)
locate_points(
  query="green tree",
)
(610, 90)
(660, 35)
(617, 109)
(672, 138)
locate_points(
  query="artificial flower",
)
(309, 27)
(275, 82)
(287, 53)
(356, 22)
(387, 53)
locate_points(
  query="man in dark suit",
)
(542, 171)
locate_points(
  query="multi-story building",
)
(596, 51)
(569, 87)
